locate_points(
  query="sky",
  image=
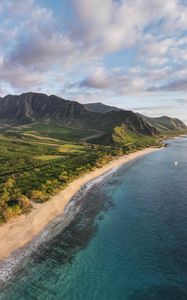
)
(127, 53)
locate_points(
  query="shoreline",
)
(12, 235)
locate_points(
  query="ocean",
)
(127, 241)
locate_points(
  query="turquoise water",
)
(129, 240)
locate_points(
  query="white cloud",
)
(176, 85)
(38, 46)
(113, 81)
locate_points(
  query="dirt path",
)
(98, 134)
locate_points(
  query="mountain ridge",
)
(100, 107)
(32, 107)
(29, 108)
(158, 122)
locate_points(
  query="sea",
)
(127, 239)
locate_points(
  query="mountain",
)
(100, 107)
(118, 126)
(164, 124)
(34, 107)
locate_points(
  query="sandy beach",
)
(19, 231)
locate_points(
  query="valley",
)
(47, 142)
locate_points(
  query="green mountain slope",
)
(106, 125)
(46, 142)
(32, 107)
(164, 124)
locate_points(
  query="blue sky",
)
(128, 53)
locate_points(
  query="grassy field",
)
(53, 131)
(38, 161)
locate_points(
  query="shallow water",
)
(128, 240)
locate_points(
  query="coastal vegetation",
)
(46, 142)
(35, 163)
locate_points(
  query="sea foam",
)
(16, 261)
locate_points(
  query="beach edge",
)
(12, 235)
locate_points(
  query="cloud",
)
(94, 48)
(99, 79)
(181, 101)
(110, 25)
(43, 50)
(115, 25)
(177, 85)
(113, 82)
